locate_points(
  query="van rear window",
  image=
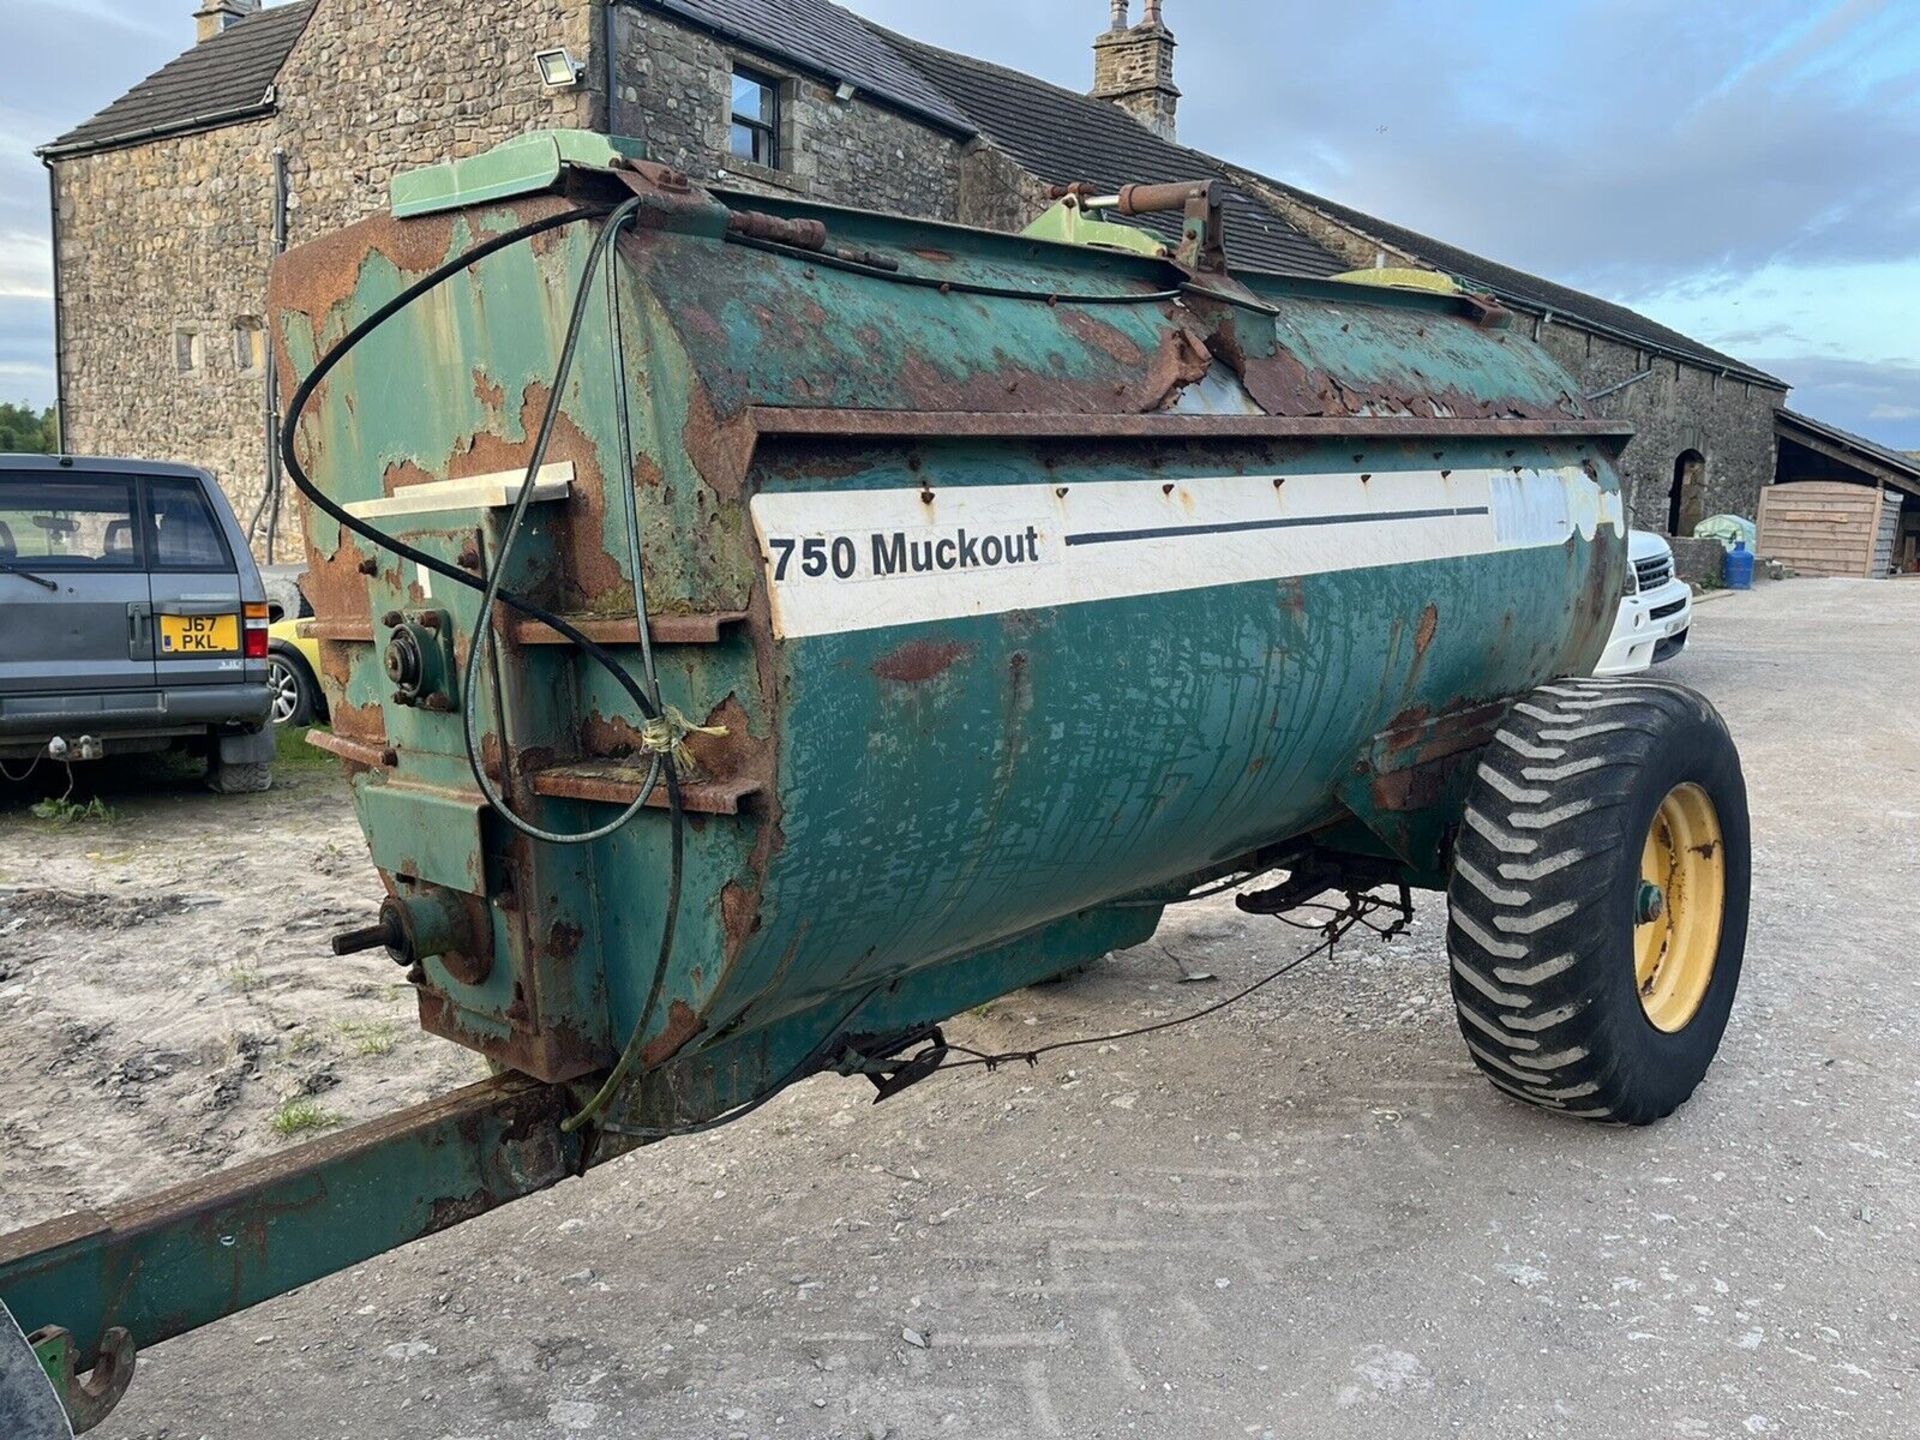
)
(69, 523)
(185, 534)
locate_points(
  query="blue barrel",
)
(1739, 567)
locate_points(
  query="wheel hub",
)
(1679, 907)
(286, 690)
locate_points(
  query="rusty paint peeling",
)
(739, 913)
(1429, 626)
(920, 661)
(682, 1025)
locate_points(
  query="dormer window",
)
(755, 131)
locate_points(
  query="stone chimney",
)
(1133, 67)
(213, 16)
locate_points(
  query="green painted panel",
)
(527, 165)
(426, 834)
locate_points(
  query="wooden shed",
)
(1840, 504)
(1829, 527)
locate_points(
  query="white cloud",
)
(1894, 412)
(1858, 312)
(26, 267)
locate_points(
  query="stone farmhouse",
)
(283, 123)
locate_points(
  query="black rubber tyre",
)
(245, 779)
(1545, 897)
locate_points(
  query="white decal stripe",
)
(846, 560)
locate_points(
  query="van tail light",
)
(256, 632)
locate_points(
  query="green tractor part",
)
(756, 632)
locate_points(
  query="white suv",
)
(1656, 613)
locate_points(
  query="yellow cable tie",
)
(667, 735)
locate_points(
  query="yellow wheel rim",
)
(1683, 897)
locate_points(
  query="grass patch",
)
(370, 1038)
(294, 753)
(301, 1116)
(302, 1042)
(72, 812)
(245, 980)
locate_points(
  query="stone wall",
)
(174, 234)
(375, 89)
(1701, 563)
(1678, 408)
(675, 93)
(179, 232)
(997, 193)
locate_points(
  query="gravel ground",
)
(168, 1004)
(1308, 1217)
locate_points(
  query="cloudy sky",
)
(1745, 170)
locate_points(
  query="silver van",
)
(132, 618)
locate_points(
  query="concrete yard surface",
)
(1307, 1217)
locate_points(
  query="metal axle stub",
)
(1650, 904)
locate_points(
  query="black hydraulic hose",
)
(496, 593)
(483, 634)
(303, 396)
(493, 585)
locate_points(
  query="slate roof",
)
(1062, 136)
(1057, 134)
(217, 82)
(1902, 462)
(1530, 291)
(830, 41)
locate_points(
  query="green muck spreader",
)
(757, 632)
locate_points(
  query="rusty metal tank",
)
(997, 580)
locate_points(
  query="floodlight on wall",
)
(846, 92)
(559, 70)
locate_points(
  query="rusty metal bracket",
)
(891, 1073)
(88, 1400)
(1203, 240)
(1203, 237)
(1316, 872)
(1487, 311)
(661, 177)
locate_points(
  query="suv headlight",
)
(1633, 578)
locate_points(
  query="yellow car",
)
(293, 674)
